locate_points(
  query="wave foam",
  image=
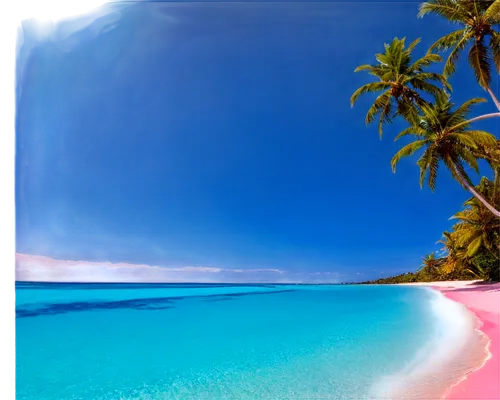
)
(456, 348)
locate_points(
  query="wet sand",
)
(480, 375)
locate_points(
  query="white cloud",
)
(40, 268)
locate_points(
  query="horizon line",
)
(186, 283)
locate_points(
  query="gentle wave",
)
(456, 347)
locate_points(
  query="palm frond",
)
(449, 66)
(407, 108)
(474, 246)
(479, 59)
(425, 61)
(406, 151)
(492, 14)
(482, 138)
(448, 41)
(369, 87)
(491, 154)
(445, 8)
(431, 120)
(429, 165)
(495, 48)
(464, 217)
(433, 76)
(411, 46)
(468, 158)
(456, 168)
(459, 115)
(423, 164)
(383, 58)
(423, 77)
(364, 67)
(385, 114)
(466, 235)
(411, 130)
(463, 140)
(378, 105)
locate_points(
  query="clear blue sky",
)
(220, 134)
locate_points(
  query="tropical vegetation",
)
(445, 133)
(470, 249)
(401, 83)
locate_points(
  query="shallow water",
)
(456, 347)
(113, 341)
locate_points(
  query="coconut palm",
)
(478, 229)
(401, 82)
(445, 135)
(477, 19)
(455, 258)
(431, 264)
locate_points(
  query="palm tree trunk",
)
(481, 117)
(482, 199)
(464, 182)
(494, 98)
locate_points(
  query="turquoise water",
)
(119, 341)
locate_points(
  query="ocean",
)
(233, 342)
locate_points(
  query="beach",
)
(483, 300)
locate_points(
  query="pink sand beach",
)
(484, 301)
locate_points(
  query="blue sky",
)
(220, 135)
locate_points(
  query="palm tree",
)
(400, 82)
(478, 229)
(431, 264)
(446, 137)
(455, 256)
(477, 18)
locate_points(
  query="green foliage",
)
(411, 277)
(477, 228)
(487, 266)
(477, 19)
(444, 133)
(431, 271)
(472, 247)
(446, 137)
(401, 83)
(489, 153)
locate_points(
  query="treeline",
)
(423, 276)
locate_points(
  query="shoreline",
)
(483, 300)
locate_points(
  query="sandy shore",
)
(484, 301)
